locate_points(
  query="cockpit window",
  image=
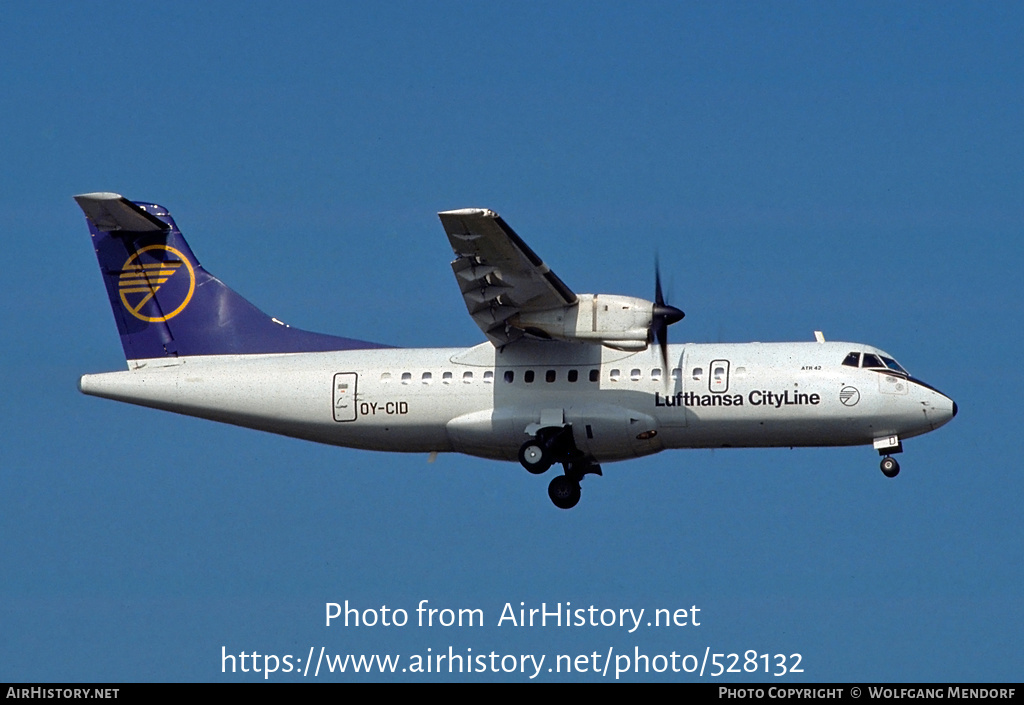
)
(874, 362)
(871, 360)
(894, 366)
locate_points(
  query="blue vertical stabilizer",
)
(166, 304)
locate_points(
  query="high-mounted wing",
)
(500, 277)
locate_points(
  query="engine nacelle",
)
(620, 322)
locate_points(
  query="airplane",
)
(564, 378)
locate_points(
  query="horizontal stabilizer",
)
(112, 212)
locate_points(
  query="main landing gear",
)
(555, 445)
(564, 490)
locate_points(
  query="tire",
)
(534, 457)
(890, 468)
(564, 493)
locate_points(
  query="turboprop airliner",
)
(565, 379)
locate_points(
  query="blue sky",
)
(795, 166)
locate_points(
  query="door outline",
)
(345, 386)
(718, 384)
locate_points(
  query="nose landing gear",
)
(887, 446)
(890, 468)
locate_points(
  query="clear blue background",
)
(853, 168)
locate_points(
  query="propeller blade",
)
(662, 316)
(658, 298)
(662, 335)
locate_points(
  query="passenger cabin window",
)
(698, 372)
(467, 377)
(406, 377)
(573, 375)
(427, 378)
(852, 360)
(634, 374)
(488, 377)
(385, 377)
(510, 376)
(595, 375)
(677, 374)
(656, 374)
(614, 375)
(528, 377)
(549, 376)
(446, 377)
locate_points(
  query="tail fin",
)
(166, 304)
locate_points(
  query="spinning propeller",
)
(662, 317)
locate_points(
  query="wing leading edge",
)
(500, 277)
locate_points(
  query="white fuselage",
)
(486, 402)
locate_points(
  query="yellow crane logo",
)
(148, 271)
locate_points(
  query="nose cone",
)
(940, 409)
